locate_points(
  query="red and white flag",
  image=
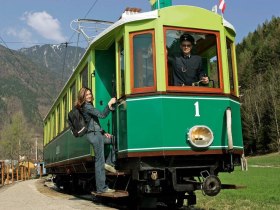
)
(222, 5)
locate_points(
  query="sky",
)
(25, 23)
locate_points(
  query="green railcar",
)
(171, 140)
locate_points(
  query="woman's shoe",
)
(106, 191)
(110, 168)
(109, 190)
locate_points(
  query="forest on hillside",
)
(258, 58)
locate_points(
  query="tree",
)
(274, 91)
(16, 138)
(258, 59)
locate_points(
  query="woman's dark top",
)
(91, 115)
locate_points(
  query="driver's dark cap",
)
(186, 37)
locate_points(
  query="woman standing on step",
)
(97, 137)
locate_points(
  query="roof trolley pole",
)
(89, 28)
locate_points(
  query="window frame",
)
(82, 73)
(142, 89)
(53, 117)
(65, 111)
(58, 119)
(49, 134)
(232, 52)
(73, 100)
(170, 88)
(121, 80)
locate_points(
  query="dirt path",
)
(33, 195)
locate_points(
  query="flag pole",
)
(158, 2)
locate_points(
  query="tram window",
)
(143, 61)
(121, 70)
(46, 132)
(53, 125)
(73, 95)
(58, 121)
(65, 108)
(49, 130)
(213, 72)
(230, 64)
(84, 77)
(204, 46)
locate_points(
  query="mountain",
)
(61, 59)
(31, 78)
(25, 86)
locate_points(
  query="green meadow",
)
(262, 187)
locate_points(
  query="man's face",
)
(186, 47)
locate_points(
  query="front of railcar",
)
(177, 139)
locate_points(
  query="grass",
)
(272, 159)
(262, 187)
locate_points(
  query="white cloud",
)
(45, 25)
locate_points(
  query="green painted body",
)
(66, 147)
(161, 123)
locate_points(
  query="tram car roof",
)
(128, 17)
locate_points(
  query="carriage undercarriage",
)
(169, 180)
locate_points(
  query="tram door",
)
(121, 118)
(105, 80)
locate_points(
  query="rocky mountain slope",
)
(31, 78)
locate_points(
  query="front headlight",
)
(200, 136)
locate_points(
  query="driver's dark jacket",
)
(186, 70)
(91, 115)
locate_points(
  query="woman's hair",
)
(82, 96)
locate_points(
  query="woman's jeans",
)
(98, 140)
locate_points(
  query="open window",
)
(143, 71)
(206, 48)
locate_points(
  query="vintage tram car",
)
(171, 140)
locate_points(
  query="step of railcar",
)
(118, 173)
(116, 194)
